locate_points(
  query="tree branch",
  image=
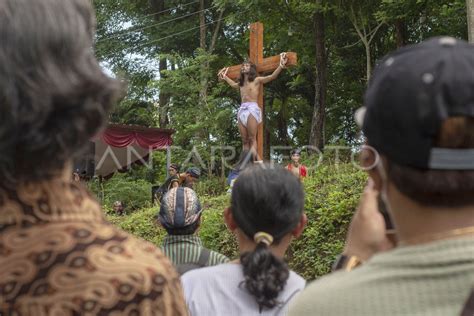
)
(216, 32)
(351, 45)
(353, 19)
(372, 35)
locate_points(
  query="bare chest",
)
(249, 91)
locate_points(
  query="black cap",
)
(412, 91)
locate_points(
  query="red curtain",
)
(118, 137)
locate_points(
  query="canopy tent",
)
(120, 146)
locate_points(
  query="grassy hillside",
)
(332, 193)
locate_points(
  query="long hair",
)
(250, 76)
(266, 199)
(54, 95)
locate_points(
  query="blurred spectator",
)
(171, 182)
(419, 115)
(76, 177)
(180, 216)
(119, 208)
(58, 255)
(295, 166)
(266, 213)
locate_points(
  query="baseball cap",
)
(179, 208)
(412, 91)
(194, 172)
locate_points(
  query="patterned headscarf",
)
(180, 207)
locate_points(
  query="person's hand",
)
(283, 60)
(367, 234)
(223, 73)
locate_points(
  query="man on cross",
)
(250, 115)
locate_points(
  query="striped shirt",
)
(181, 249)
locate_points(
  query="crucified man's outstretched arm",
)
(222, 75)
(274, 75)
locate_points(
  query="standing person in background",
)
(180, 216)
(58, 254)
(266, 213)
(173, 179)
(295, 167)
(419, 115)
(171, 182)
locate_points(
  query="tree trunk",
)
(400, 33)
(282, 123)
(470, 19)
(202, 25)
(163, 99)
(156, 6)
(202, 45)
(368, 59)
(316, 137)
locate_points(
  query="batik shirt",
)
(58, 256)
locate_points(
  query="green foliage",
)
(210, 187)
(134, 193)
(141, 224)
(213, 232)
(134, 36)
(332, 194)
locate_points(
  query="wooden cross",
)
(264, 66)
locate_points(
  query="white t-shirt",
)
(216, 291)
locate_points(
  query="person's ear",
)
(229, 220)
(369, 158)
(298, 230)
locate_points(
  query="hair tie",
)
(259, 237)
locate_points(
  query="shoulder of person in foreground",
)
(200, 285)
(92, 268)
(319, 296)
(225, 279)
(201, 278)
(158, 286)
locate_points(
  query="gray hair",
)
(54, 95)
